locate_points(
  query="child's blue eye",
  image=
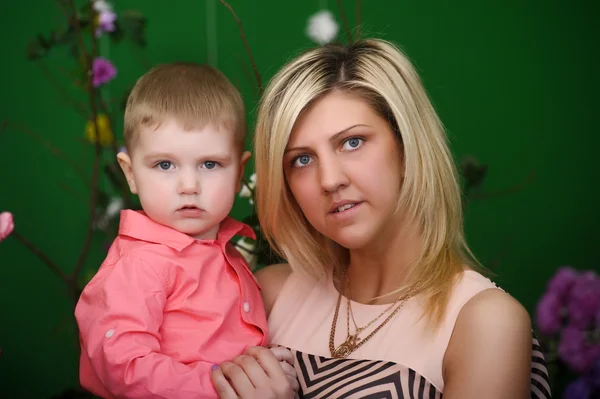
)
(210, 164)
(165, 165)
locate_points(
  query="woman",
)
(381, 296)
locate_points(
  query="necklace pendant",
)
(345, 348)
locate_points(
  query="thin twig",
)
(41, 255)
(344, 21)
(4, 127)
(80, 110)
(243, 36)
(54, 149)
(88, 60)
(506, 191)
(63, 10)
(357, 36)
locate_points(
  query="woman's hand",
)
(260, 373)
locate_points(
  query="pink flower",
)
(106, 22)
(7, 224)
(103, 71)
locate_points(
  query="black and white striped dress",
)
(409, 360)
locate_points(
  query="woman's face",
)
(344, 166)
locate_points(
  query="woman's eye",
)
(165, 165)
(352, 143)
(301, 161)
(210, 164)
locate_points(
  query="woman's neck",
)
(383, 266)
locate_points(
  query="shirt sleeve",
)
(119, 315)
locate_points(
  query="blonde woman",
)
(381, 296)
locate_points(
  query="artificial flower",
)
(105, 134)
(246, 191)
(322, 28)
(247, 248)
(101, 6)
(106, 22)
(103, 71)
(112, 209)
(7, 224)
(548, 314)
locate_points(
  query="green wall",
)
(514, 83)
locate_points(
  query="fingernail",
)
(214, 367)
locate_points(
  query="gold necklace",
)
(352, 342)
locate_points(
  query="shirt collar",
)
(136, 224)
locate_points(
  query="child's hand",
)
(257, 374)
(286, 361)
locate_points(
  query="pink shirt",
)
(163, 308)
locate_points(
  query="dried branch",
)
(41, 255)
(243, 36)
(88, 62)
(70, 101)
(54, 149)
(506, 191)
(345, 21)
(357, 36)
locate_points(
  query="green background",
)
(514, 83)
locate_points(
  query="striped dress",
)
(402, 360)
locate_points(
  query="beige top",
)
(301, 320)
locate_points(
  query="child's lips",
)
(190, 210)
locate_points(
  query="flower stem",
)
(243, 36)
(345, 21)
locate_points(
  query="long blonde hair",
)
(380, 74)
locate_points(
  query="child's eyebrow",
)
(158, 155)
(208, 156)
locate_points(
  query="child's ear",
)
(244, 159)
(125, 163)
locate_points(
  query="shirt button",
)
(109, 333)
(246, 307)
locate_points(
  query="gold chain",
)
(352, 342)
(358, 329)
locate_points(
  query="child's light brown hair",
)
(192, 94)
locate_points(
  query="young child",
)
(173, 296)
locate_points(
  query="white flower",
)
(112, 209)
(246, 247)
(246, 191)
(102, 6)
(322, 27)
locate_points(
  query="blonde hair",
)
(377, 72)
(193, 94)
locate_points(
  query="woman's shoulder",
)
(271, 280)
(280, 282)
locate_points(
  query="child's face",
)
(186, 180)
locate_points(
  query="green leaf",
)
(131, 23)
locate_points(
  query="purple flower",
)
(103, 71)
(594, 375)
(573, 349)
(106, 22)
(562, 281)
(548, 315)
(584, 300)
(578, 389)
